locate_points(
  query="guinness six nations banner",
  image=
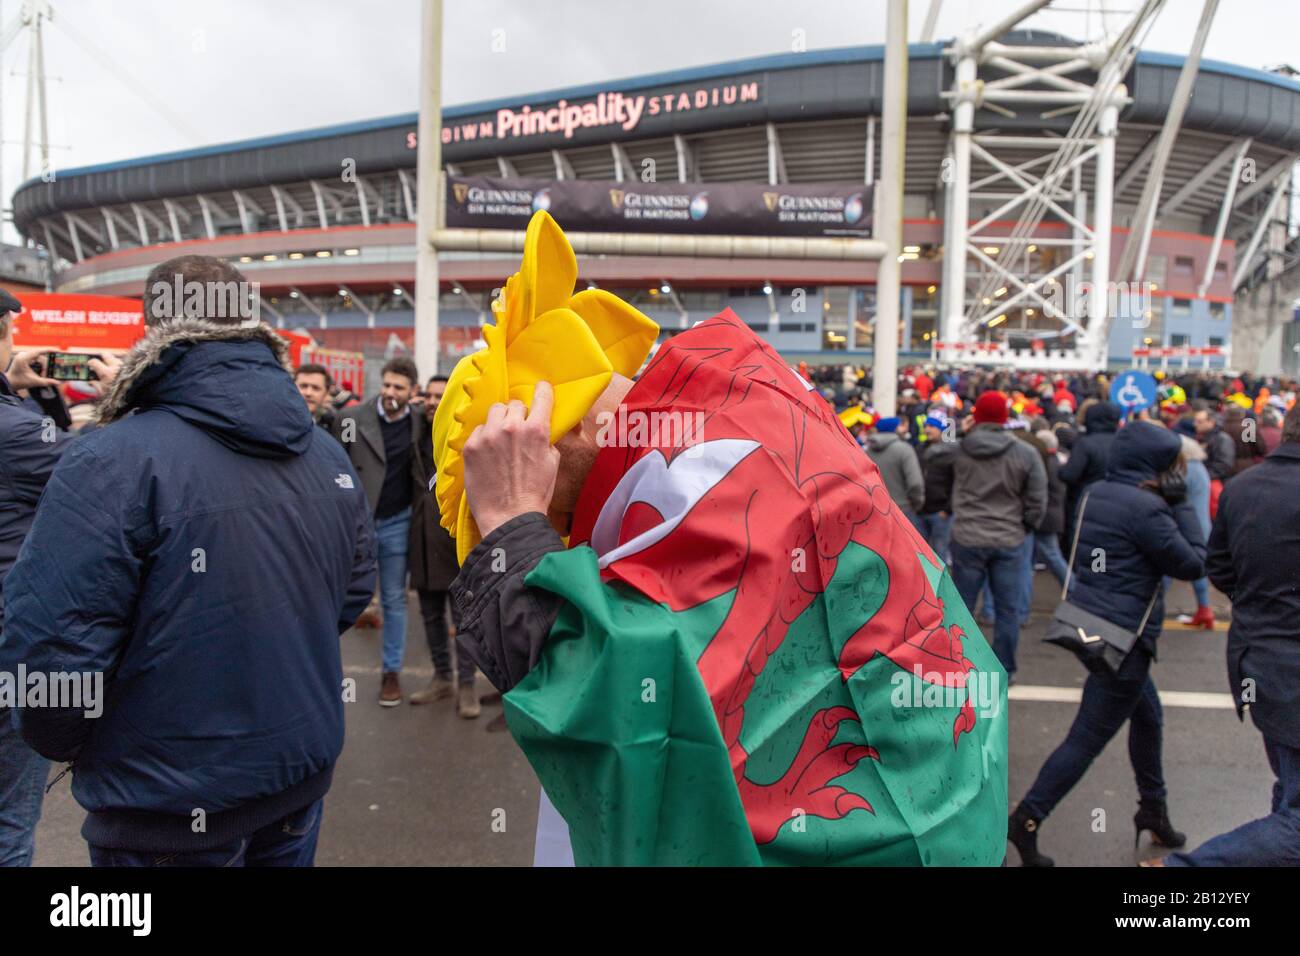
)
(754, 209)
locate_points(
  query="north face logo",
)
(343, 481)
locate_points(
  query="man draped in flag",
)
(720, 641)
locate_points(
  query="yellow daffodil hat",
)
(543, 332)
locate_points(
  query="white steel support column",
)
(1103, 207)
(112, 229)
(140, 224)
(428, 188)
(889, 221)
(320, 204)
(1080, 214)
(1225, 213)
(172, 219)
(279, 208)
(408, 197)
(954, 251)
(1145, 215)
(206, 208)
(1245, 259)
(871, 150)
(683, 157)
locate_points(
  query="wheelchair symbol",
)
(1130, 394)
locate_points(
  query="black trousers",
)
(433, 608)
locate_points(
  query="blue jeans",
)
(1108, 701)
(290, 841)
(393, 536)
(1003, 570)
(1269, 841)
(22, 790)
(1046, 548)
(1201, 588)
(936, 528)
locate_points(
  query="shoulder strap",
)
(1150, 607)
(1074, 548)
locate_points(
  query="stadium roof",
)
(1228, 100)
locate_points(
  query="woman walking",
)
(1134, 528)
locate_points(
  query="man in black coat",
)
(1254, 558)
(1220, 452)
(433, 567)
(935, 516)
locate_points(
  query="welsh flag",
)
(759, 660)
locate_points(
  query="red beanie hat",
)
(991, 408)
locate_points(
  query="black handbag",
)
(1099, 644)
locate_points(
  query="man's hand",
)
(22, 371)
(105, 368)
(510, 466)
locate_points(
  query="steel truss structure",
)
(1060, 276)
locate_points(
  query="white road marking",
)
(359, 670)
(1072, 695)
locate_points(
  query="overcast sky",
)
(132, 77)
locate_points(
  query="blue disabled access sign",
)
(1133, 391)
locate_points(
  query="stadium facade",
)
(324, 219)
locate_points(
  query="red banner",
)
(78, 323)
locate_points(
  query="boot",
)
(468, 705)
(1153, 815)
(390, 690)
(1204, 617)
(1022, 831)
(439, 689)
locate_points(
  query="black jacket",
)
(1254, 558)
(1054, 518)
(431, 551)
(1090, 452)
(31, 444)
(1220, 454)
(936, 471)
(503, 624)
(1131, 538)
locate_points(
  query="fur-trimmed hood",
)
(146, 353)
(229, 380)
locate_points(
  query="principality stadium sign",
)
(806, 209)
(609, 111)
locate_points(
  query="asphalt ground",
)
(418, 786)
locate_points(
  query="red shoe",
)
(1204, 617)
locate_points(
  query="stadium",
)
(324, 219)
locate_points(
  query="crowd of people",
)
(1009, 473)
(209, 480)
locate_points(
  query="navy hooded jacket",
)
(1132, 537)
(30, 446)
(204, 554)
